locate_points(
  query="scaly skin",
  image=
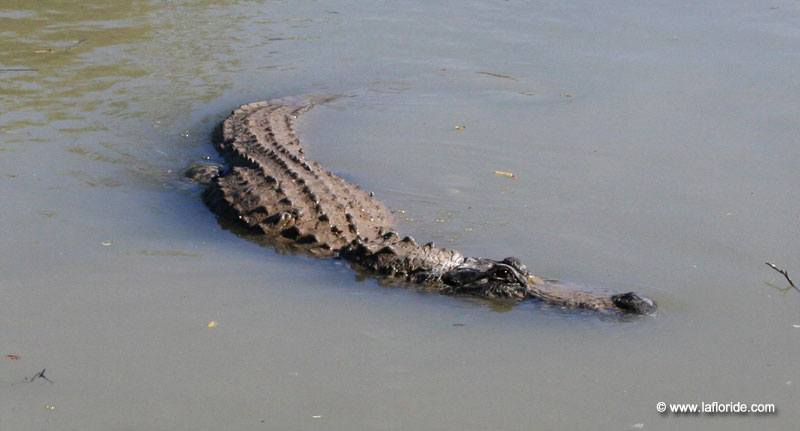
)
(271, 188)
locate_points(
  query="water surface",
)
(654, 148)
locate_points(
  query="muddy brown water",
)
(654, 147)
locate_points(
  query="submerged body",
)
(270, 187)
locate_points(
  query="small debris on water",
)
(637, 426)
(459, 324)
(213, 324)
(567, 95)
(39, 375)
(505, 174)
(316, 417)
(106, 243)
(460, 127)
(795, 325)
(12, 357)
(49, 407)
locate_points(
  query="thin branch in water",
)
(39, 375)
(19, 69)
(785, 274)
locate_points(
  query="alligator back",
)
(273, 188)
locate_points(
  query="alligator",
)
(271, 189)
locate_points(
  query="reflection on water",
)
(78, 67)
(99, 79)
(56, 55)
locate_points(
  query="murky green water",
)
(655, 149)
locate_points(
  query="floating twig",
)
(785, 274)
(19, 69)
(39, 375)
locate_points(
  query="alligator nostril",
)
(633, 303)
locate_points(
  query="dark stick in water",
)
(785, 274)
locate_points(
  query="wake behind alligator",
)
(271, 188)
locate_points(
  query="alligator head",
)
(509, 278)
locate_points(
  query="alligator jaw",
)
(558, 294)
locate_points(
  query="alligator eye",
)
(503, 272)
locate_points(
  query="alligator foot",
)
(203, 174)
